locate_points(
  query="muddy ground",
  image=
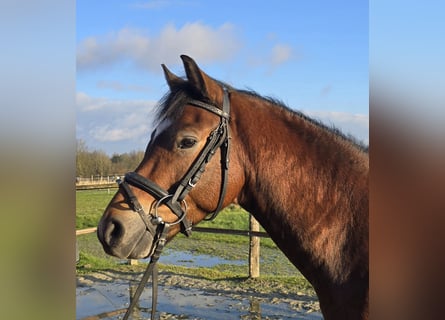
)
(105, 295)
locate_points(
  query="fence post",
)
(254, 249)
(133, 262)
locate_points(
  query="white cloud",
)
(105, 120)
(119, 86)
(349, 123)
(273, 56)
(280, 54)
(108, 133)
(198, 40)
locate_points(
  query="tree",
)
(125, 162)
(81, 158)
(98, 163)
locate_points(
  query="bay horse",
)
(306, 183)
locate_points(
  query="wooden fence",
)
(97, 179)
(254, 242)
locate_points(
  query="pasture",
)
(90, 205)
(280, 284)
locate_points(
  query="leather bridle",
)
(175, 201)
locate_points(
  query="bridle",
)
(218, 138)
(175, 201)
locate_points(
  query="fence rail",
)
(200, 229)
(98, 180)
(254, 243)
(232, 231)
(85, 231)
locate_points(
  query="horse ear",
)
(199, 80)
(172, 79)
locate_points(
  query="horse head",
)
(183, 177)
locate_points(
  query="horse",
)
(214, 145)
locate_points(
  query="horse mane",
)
(172, 104)
(331, 128)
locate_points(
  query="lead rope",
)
(152, 269)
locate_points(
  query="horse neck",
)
(306, 186)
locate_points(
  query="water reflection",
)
(187, 259)
(108, 299)
(255, 309)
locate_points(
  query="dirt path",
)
(191, 297)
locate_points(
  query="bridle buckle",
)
(157, 220)
(191, 184)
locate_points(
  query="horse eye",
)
(187, 143)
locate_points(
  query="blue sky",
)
(312, 55)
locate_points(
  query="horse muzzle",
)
(123, 235)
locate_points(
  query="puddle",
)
(187, 259)
(109, 300)
(108, 297)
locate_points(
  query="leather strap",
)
(151, 270)
(136, 205)
(211, 108)
(219, 138)
(153, 189)
(194, 173)
(157, 192)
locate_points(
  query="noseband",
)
(218, 138)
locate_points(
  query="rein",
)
(217, 139)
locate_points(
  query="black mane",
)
(336, 131)
(172, 104)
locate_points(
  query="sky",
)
(312, 55)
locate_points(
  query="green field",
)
(90, 205)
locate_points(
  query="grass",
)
(89, 209)
(232, 276)
(263, 284)
(90, 205)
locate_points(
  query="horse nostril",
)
(113, 232)
(116, 230)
